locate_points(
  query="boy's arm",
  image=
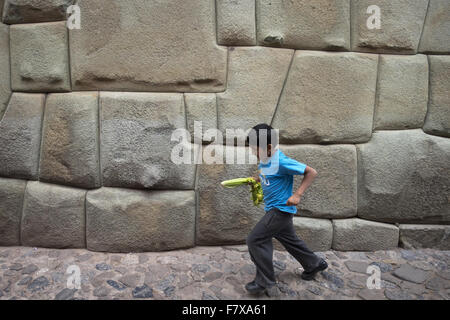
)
(309, 176)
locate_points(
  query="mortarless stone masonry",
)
(87, 116)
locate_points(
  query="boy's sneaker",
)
(311, 274)
(254, 288)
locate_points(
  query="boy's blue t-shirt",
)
(277, 180)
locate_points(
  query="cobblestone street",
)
(216, 273)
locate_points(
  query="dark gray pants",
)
(276, 224)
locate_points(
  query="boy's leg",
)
(260, 247)
(297, 247)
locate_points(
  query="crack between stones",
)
(283, 87)
(423, 27)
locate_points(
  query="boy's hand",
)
(256, 177)
(293, 200)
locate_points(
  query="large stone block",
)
(303, 24)
(5, 79)
(436, 30)
(27, 11)
(123, 220)
(53, 216)
(400, 27)
(413, 236)
(402, 95)
(333, 193)
(404, 177)
(328, 97)
(236, 22)
(11, 201)
(139, 45)
(201, 107)
(39, 57)
(437, 121)
(20, 136)
(136, 146)
(316, 233)
(255, 80)
(70, 148)
(362, 235)
(225, 216)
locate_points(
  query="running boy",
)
(276, 172)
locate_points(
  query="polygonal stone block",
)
(402, 95)
(255, 80)
(53, 216)
(437, 121)
(404, 177)
(328, 97)
(225, 215)
(334, 192)
(401, 23)
(236, 22)
(303, 24)
(39, 57)
(414, 236)
(362, 235)
(20, 136)
(70, 152)
(436, 30)
(123, 220)
(139, 45)
(11, 202)
(139, 142)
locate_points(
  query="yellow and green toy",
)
(256, 190)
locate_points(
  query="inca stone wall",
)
(86, 118)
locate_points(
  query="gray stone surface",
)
(236, 22)
(403, 176)
(436, 30)
(122, 220)
(39, 57)
(173, 275)
(437, 121)
(362, 235)
(425, 236)
(333, 193)
(316, 233)
(201, 107)
(303, 24)
(20, 136)
(255, 80)
(411, 274)
(400, 30)
(402, 94)
(357, 266)
(136, 146)
(53, 216)
(27, 11)
(139, 45)
(225, 215)
(328, 97)
(70, 154)
(11, 201)
(5, 80)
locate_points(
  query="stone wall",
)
(86, 117)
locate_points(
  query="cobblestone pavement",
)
(216, 273)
